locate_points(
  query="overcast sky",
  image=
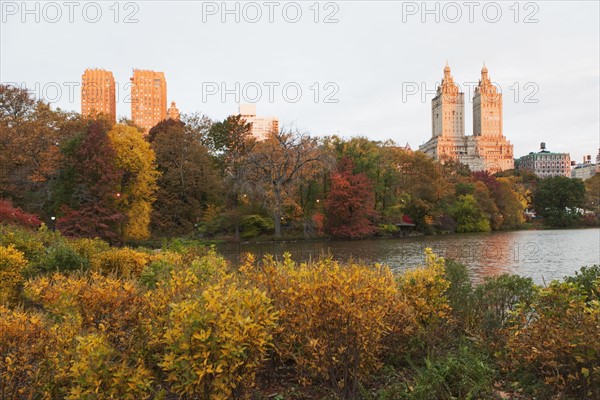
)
(380, 61)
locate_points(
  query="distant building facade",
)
(545, 163)
(98, 93)
(262, 127)
(487, 149)
(148, 98)
(585, 170)
(173, 112)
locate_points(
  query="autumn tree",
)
(275, 165)
(88, 186)
(189, 181)
(30, 138)
(136, 190)
(350, 203)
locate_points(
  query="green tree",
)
(468, 216)
(592, 194)
(557, 200)
(231, 142)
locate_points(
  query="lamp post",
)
(53, 219)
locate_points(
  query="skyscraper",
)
(262, 127)
(487, 149)
(98, 93)
(148, 98)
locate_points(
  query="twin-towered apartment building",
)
(148, 96)
(487, 149)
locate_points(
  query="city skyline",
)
(371, 76)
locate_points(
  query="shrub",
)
(255, 225)
(332, 317)
(587, 279)
(459, 293)
(216, 342)
(557, 339)
(425, 290)
(14, 215)
(89, 248)
(98, 371)
(61, 258)
(23, 240)
(123, 261)
(24, 342)
(494, 301)
(465, 375)
(388, 229)
(12, 264)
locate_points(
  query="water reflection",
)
(543, 255)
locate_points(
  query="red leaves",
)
(350, 204)
(14, 215)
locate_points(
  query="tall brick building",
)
(487, 149)
(98, 93)
(148, 98)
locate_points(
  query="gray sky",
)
(381, 61)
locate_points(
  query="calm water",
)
(542, 255)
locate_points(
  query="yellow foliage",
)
(136, 157)
(216, 342)
(25, 370)
(98, 371)
(122, 261)
(558, 338)
(332, 317)
(424, 289)
(89, 248)
(12, 263)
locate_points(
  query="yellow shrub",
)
(332, 317)
(12, 263)
(89, 248)
(123, 262)
(25, 340)
(109, 305)
(98, 371)
(558, 339)
(216, 342)
(424, 289)
(180, 282)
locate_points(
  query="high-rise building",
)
(98, 93)
(262, 127)
(148, 98)
(545, 163)
(448, 108)
(487, 149)
(173, 112)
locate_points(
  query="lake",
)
(541, 254)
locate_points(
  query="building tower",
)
(448, 108)
(487, 108)
(148, 98)
(262, 127)
(98, 93)
(173, 112)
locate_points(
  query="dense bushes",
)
(133, 324)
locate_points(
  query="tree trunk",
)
(277, 220)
